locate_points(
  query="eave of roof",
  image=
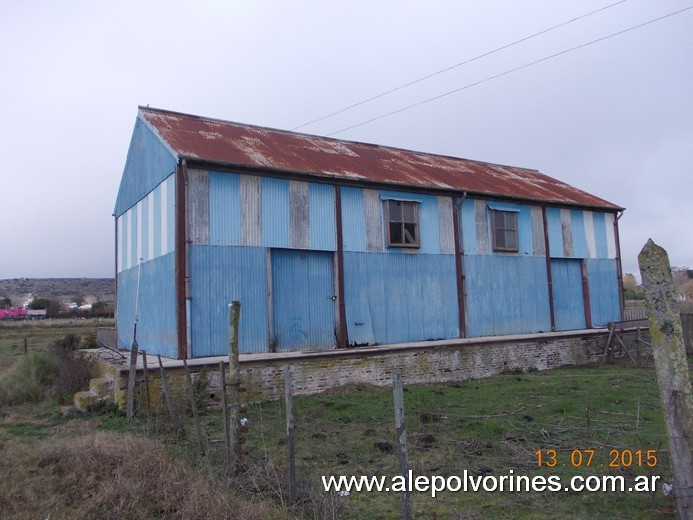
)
(225, 143)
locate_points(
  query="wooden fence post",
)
(169, 403)
(146, 390)
(672, 370)
(288, 399)
(225, 412)
(193, 406)
(398, 392)
(132, 375)
(234, 385)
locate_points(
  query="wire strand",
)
(465, 62)
(510, 71)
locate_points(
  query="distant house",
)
(36, 314)
(329, 243)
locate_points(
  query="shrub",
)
(30, 380)
(57, 373)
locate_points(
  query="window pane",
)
(409, 212)
(511, 239)
(500, 239)
(410, 234)
(395, 233)
(499, 219)
(395, 211)
(511, 220)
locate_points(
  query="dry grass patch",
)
(108, 475)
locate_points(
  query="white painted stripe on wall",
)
(138, 207)
(610, 238)
(150, 226)
(119, 244)
(567, 232)
(164, 220)
(588, 218)
(132, 237)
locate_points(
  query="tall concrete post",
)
(672, 370)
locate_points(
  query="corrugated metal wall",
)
(605, 302)
(580, 234)
(148, 163)
(303, 304)
(156, 328)
(220, 275)
(506, 295)
(568, 299)
(394, 298)
(146, 230)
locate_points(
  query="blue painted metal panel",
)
(605, 303)
(322, 217)
(553, 222)
(600, 235)
(468, 227)
(224, 209)
(568, 300)
(275, 212)
(429, 229)
(506, 295)
(149, 162)
(303, 308)
(524, 230)
(399, 298)
(220, 275)
(156, 328)
(353, 219)
(579, 239)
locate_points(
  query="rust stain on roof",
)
(228, 143)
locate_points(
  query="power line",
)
(521, 40)
(526, 65)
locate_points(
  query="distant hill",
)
(63, 290)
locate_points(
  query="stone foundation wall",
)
(423, 363)
(437, 364)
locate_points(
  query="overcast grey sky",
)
(614, 118)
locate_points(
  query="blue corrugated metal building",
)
(329, 243)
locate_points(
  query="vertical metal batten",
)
(619, 268)
(586, 293)
(272, 346)
(459, 268)
(180, 261)
(342, 334)
(548, 268)
(115, 307)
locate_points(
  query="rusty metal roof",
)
(227, 143)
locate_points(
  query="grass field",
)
(491, 427)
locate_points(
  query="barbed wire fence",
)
(351, 431)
